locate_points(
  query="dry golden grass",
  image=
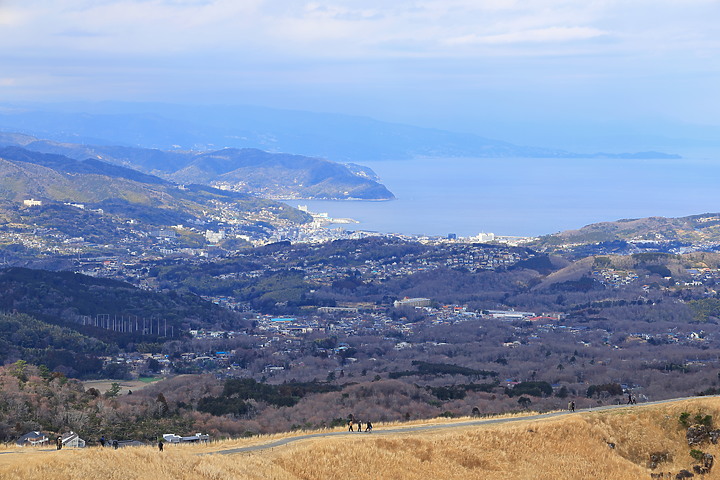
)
(573, 446)
(377, 426)
(454, 420)
(125, 385)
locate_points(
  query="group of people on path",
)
(104, 442)
(631, 400)
(352, 423)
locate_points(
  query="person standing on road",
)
(58, 442)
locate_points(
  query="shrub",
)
(609, 388)
(684, 419)
(697, 454)
(701, 419)
(524, 402)
(536, 389)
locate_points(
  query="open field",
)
(125, 385)
(609, 444)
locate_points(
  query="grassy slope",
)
(573, 446)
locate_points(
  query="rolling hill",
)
(628, 443)
(631, 235)
(247, 170)
(124, 192)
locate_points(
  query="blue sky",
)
(470, 65)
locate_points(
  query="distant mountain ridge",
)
(251, 171)
(333, 136)
(86, 166)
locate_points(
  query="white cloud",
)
(12, 16)
(541, 35)
(359, 29)
(416, 46)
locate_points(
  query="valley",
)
(234, 233)
(253, 318)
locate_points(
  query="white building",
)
(198, 437)
(33, 439)
(412, 302)
(509, 314)
(214, 237)
(72, 439)
(485, 237)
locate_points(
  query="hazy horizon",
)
(547, 73)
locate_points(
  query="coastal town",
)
(314, 302)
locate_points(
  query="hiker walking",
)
(102, 441)
(160, 445)
(58, 442)
(571, 405)
(368, 426)
(359, 424)
(350, 426)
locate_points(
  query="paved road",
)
(424, 428)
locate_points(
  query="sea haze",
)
(528, 197)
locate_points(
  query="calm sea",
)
(527, 197)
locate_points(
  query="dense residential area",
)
(300, 334)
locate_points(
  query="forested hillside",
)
(66, 321)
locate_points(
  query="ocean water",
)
(528, 197)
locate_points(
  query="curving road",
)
(424, 428)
